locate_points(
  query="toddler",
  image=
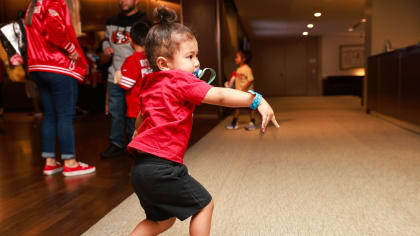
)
(168, 97)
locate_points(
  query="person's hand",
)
(117, 77)
(134, 134)
(74, 55)
(267, 115)
(109, 51)
(16, 60)
(106, 108)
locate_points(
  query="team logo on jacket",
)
(120, 37)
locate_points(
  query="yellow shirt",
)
(243, 77)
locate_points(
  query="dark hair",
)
(245, 55)
(138, 33)
(165, 36)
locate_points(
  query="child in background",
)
(134, 68)
(168, 97)
(243, 80)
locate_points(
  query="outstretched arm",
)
(234, 98)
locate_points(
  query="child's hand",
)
(267, 115)
(134, 134)
(117, 77)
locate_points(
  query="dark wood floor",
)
(33, 204)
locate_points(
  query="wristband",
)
(257, 100)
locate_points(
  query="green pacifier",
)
(200, 72)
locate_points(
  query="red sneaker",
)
(81, 169)
(50, 170)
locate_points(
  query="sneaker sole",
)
(51, 172)
(232, 128)
(79, 172)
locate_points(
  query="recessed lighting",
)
(317, 14)
(310, 26)
(363, 20)
(305, 33)
(350, 29)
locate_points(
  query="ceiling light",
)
(305, 33)
(350, 29)
(363, 20)
(310, 26)
(317, 14)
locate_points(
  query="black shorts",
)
(165, 189)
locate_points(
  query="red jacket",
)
(51, 38)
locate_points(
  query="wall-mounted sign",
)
(352, 56)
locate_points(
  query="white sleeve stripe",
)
(71, 49)
(123, 83)
(67, 45)
(124, 87)
(128, 82)
(128, 79)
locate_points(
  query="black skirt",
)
(165, 189)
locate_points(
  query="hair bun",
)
(164, 15)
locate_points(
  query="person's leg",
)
(49, 122)
(236, 115)
(117, 111)
(201, 222)
(64, 93)
(116, 108)
(252, 125)
(149, 227)
(234, 123)
(252, 115)
(64, 90)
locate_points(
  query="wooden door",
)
(281, 66)
(295, 68)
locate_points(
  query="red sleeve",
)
(54, 26)
(130, 71)
(192, 89)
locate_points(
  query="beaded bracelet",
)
(257, 100)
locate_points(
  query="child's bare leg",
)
(151, 228)
(201, 222)
(252, 115)
(236, 113)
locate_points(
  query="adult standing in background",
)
(117, 44)
(56, 63)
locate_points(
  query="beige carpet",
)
(329, 170)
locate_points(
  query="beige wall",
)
(330, 59)
(397, 21)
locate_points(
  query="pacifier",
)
(200, 72)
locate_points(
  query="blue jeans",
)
(117, 108)
(58, 96)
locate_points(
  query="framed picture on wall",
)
(352, 56)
